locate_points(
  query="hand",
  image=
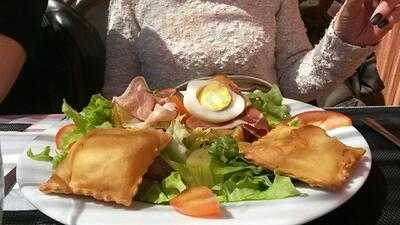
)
(365, 22)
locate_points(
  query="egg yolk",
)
(215, 96)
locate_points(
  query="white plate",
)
(85, 211)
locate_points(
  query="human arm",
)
(121, 61)
(10, 63)
(19, 23)
(304, 72)
(366, 22)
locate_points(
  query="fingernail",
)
(376, 19)
(383, 23)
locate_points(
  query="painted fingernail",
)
(376, 19)
(383, 23)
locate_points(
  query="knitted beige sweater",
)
(171, 41)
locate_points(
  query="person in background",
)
(172, 41)
(20, 31)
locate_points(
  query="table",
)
(377, 202)
(13, 143)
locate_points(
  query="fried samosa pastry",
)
(107, 164)
(306, 153)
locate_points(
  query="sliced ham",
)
(252, 133)
(163, 95)
(162, 113)
(251, 119)
(137, 99)
(228, 82)
(254, 118)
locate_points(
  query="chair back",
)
(77, 52)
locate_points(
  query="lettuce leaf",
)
(199, 166)
(161, 193)
(42, 156)
(78, 119)
(150, 191)
(95, 114)
(282, 187)
(195, 171)
(203, 158)
(225, 149)
(238, 180)
(173, 185)
(176, 151)
(69, 138)
(223, 172)
(57, 159)
(243, 186)
(270, 104)
(98, 113)
(200, 138)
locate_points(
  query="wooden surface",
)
(388, 63)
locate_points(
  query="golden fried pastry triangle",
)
(107, 164)
(306, 153)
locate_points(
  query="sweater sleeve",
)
(305, 73)
(122, 63)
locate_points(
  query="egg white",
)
(194, 107)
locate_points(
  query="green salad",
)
(199, 157)
(202, 159)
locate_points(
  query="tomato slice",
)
(63, 130)
(326, 120)
(198, 202)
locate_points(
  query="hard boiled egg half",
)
(212, 101)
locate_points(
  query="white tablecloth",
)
(14, 143)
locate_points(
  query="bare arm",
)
(12, 58)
